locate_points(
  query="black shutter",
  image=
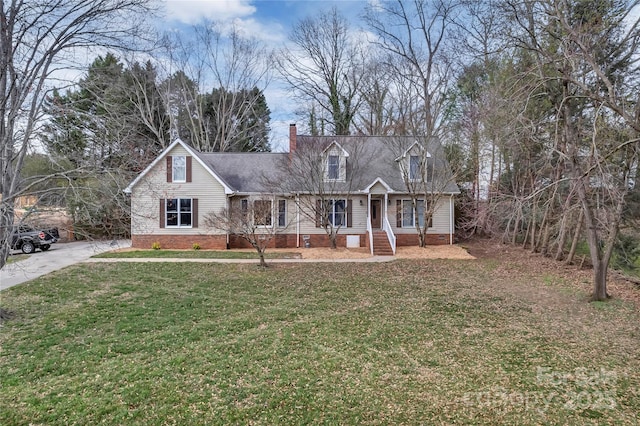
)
(399, 213)
(162, 212)
(189, 168)
(194, 212)
(169, 168)
(349, 214)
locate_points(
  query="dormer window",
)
(333, 167)
(414, 167)
(334, 161)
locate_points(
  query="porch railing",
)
(386, 227)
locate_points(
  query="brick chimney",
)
(293, 134)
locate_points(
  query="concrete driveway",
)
(59, 256)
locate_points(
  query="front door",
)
(376, 214)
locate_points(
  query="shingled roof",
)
(380, 155)
(245, 171)
(248, 172)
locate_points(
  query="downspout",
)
(451, 220)
(228, 212)
(369, 227)
(297, 220)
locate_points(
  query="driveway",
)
(59, 256)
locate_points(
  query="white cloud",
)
(271, 33)
(192, 11)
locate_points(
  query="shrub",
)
(196, 246)
(155, 245)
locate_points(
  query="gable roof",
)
(336, 144)
(420, 147)
(247, 172)
(190, 150)
(381, 155)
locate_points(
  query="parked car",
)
(28, 239)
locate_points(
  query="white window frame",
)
(178, 212)
(176, 168)
(409, 207)
(282, 213)
(414, 169)
(335, 167)
(332, 214)
(263, 225)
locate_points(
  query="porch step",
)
(381, 246)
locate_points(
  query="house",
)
(368, 184)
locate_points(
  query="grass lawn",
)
(16, 258)
(408, 342)
(195, 254)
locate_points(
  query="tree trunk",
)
(597, 259)
(544, 246)
(562, 234)
(532, 231)
(262, 261)
(526, 236)
(333, 240)
(600, 281)
(516, 226)
(543, 238)
(576, 238)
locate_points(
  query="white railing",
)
(386, 227)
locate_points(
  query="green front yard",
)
(407, 342)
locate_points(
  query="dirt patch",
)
(514, 259)
(429, 252)
(434, 252)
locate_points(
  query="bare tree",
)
(585, 56)
(212, 78)
(325, 65)
(426, 176)
(417, 34)
(254, 219)
(323, 176)
(38, 40)
(376, 114)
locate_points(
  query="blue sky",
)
(270, 21)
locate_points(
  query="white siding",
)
(378, 188)
(440, 220)
(146, 195)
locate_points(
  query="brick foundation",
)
(403, 240)
(279, 241)
(180, 242)
(219, 242)
(322, 240)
